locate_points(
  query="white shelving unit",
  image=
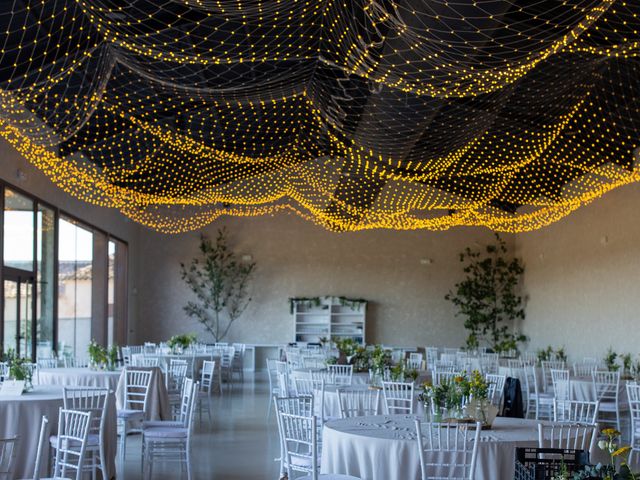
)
(332, 318)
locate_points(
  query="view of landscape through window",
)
(30, 260)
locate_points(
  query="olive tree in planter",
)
(220, 283)
(488, 297)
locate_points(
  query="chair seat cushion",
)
(161, 423)
(329, 476)
(93, 440)
(130, 414)
(165, 432)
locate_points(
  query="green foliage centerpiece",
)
(488, 298)
(19, 369)
(101, 358)
(179, 343)
(220, 283)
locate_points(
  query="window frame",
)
(58, 213)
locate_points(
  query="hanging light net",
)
(407, 114)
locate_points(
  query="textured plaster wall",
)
(297, 258)
(583, 278)
(37, 184)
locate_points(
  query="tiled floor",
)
(240, 445)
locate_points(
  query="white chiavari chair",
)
(358, 402)
(73, 430)
(606, 389)
(342, 374)
(575, 411)
(398, 397)
(447, 451)
(136, 398)
(8, 448)
(576, 436)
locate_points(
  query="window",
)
(62, 282)
(75, 272)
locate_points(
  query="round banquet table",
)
(383, 447)
(21, 415)
(85, 377)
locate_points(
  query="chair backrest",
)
(531, 379)
(135, 349)
(575, 411)
(576, 436)
(606, 386)
(633, 394)
(300, 442)
(126, 356)
(140, 360)
(149, 348)
(561, 384)
(414, 361)
(43, 438)
(176, 373)
(547, 366)
(284, 384)
(50, 362)
(8, 449)
(438, 376)
(313, 361)
(303, 386)
(529, 358)
(358, 402)
(186, 401)
(432, 356)
(136, 388)
(496, 387)
(88, 399)
(326, 376)
(584, 369)
(71, 443)
(447, 450)
(296, 405)
(398, 397)
(207, 375)
(342, 374)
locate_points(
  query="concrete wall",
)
(582, 278)
(296, 258)
(17, 171)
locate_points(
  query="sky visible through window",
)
(74, 243)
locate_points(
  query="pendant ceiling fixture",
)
(360, 114)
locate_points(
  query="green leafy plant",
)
(19, 368)
(113, 355)
(610, 360)
(346, 346)
(627, 361)
(220, 283)
(97, 354)
(183, 341)
(380, 359)
(487, 298)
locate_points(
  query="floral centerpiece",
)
(379, 361)
(101, 358)
(20, 369)
(181, 342)
(608, 471)
(461, 398)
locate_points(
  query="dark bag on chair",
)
(512, 399)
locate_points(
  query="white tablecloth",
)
(383, 447)
(22, 416)
(80, 376)
(86, 377)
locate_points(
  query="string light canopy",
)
(354, 114)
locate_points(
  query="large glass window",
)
(18, 231)
(75, 277)
(62, 282)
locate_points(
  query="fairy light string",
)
(354, 115)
